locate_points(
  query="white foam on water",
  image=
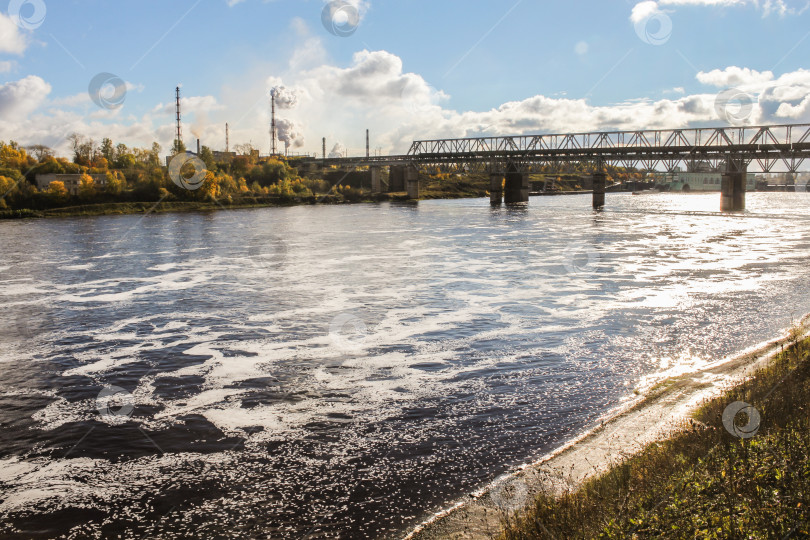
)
(429, 298)
(74, 267)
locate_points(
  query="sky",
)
(404, 69)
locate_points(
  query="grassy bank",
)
(702, 482)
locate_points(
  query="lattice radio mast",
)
(177, 109)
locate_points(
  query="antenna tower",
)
(177, 109)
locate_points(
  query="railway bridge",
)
(508, 160)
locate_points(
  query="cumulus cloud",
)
(643, 11)
(735, 76)
(20, 98)
(375, 91)
(12, 40)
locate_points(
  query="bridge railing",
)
(778, 136)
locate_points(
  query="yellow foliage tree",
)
(7, 185)
(115, 183)
(87, 186)
(57, 190)
(12, 156)
(210, 188)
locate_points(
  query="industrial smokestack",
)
(367, 148)
(198, 147)
(273, 120)
(324, 148)
(227, 138)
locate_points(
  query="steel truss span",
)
(767, 146)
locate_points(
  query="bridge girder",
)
(767, 146)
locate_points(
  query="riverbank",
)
(123, 208)
(471, 187)
(687, 472)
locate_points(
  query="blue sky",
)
(411, 69)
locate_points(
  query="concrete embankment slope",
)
(642, 421)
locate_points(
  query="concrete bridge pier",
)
(412, 182)
(599, 183)
(732, 186)
(396, 178)
(376, 179)
(517, 188)
(495, 189)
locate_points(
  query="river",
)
(346, 371)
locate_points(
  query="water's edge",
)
(593, 451)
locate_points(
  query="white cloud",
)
(20, 98)
(375, 91)
(703, 2)
(12, 40)
(645, 9)
(735, 76)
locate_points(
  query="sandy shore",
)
(643, 420)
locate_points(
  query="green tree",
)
(115, 183)
(154, 155)
(178, 147)
(107, 150)
(207, 157)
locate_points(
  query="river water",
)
(346, 371)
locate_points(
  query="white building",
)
(702, 181)
(71, 181)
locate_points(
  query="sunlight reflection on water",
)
(351, 369)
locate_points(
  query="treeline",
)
(140, 175)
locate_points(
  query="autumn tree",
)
(84, 149)
(57, 191)
(87, 187)
(115, 183)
